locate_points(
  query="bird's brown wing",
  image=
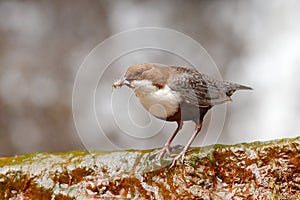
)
(198, 89)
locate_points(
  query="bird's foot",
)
(165, 150)
(180, 157)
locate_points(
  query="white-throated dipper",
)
(182, 94)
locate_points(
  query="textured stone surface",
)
(260, 170)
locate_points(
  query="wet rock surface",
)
(260, 170)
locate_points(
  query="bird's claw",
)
(180, 155)
(162, 152)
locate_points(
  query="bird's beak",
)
(125, 81)
(122, 81)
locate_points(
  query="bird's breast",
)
(161, 103)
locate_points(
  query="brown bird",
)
(181, 94)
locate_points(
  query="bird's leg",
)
(166, 148)
(186, 148)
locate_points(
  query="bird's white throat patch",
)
(159, 102)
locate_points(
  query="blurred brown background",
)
(43, 43)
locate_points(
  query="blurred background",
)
(43, 43)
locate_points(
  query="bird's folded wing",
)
(198, 89)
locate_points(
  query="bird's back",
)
(199, 89)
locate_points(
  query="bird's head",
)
(139, 72)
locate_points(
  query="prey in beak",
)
(120, 82)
